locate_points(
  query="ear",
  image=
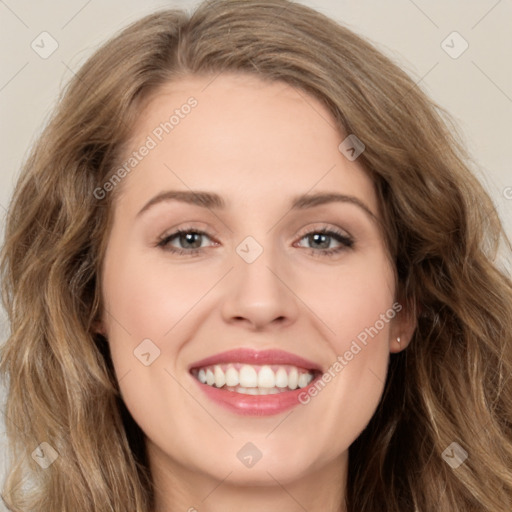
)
(402, 328)
(99, 328)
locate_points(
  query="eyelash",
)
(346, 242)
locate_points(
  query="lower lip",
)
(255, 405)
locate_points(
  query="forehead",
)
(241, 137)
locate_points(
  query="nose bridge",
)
(258, 293)
(256, 268)
(254, 264)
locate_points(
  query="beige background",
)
(476, 87)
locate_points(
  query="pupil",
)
(317, 237)
(189, 238)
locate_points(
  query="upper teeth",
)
(252, 376)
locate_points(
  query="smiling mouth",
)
(251, 379)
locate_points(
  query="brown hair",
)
(451, 384)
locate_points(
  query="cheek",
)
(149, 300)
(350, 298)
(355, 306)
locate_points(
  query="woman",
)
(254, 368)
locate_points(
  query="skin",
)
(257, 144)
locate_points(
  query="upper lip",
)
(259, 357)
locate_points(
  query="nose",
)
(260, 294)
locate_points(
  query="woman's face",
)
(251, 274)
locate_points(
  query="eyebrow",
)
(214, 201)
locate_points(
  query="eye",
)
(322, 239)
(190, 239)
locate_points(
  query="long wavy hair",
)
(452, 384)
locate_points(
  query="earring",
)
(398, 339)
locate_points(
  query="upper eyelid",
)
(317, 226)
